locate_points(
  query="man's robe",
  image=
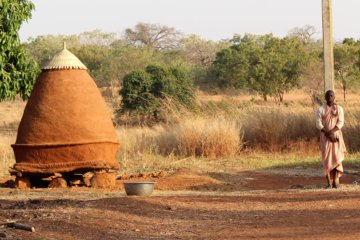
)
(332, 152)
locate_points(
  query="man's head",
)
(330, 97)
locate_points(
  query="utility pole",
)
(328, 45)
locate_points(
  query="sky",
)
(210, 19)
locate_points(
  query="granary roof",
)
(64, 60)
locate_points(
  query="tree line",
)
(260, 64)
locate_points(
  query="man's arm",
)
(341, 121)
(319, 116)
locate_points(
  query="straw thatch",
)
(64, 60)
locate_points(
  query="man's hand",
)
(331, 137)
(333, 130)
(330, 134)
(324, 131)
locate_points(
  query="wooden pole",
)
(328, 45)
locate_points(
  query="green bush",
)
(144, 91)
(136, 91)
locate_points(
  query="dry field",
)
(237, 204)
(219, 175)
(233, 126)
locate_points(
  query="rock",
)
(87, 178)
(58, 183)
(124, 176)
(9, 184)
(22, 182)
(50, 178)
(75, 182)
(158, 174)
(103, 180)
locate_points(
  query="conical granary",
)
(66, 125)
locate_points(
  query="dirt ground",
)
(243, 204)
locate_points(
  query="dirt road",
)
(295, 208)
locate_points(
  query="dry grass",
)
(11, 112)
(192, 137)
(211, 138)
(351, 130)
(10, 115)
(6, 153)
(235, 130)
(280, 129)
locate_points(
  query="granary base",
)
(54, 158)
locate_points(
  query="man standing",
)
(330, 120)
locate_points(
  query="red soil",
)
(219, 206)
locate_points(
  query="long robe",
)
(332, 153)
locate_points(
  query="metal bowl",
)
(139, 188)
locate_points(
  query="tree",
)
(97, 38)
(199, 51)
(94, 57)
(347, 59)
(153, 36)
(43, 48)
(281, 61)
(305, 33)
(265, 64)
(232, 64)
(17, 71)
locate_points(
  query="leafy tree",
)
(122, 60)
(280, 63)
(17, 71)
(265, 64)
(94, 57)
(43, 48)
(232, 66)
(109, 58)
(91, 47)
(347, 63)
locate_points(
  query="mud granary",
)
(66, 128)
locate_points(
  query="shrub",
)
(144, 91)
(137, 91)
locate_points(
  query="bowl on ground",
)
(139, 188)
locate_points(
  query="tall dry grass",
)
(197, 137)
(351, 130)
(210, 138)
(7, 158)
(228, 128)
(279, 129)
(256, 128)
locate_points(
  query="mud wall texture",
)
(66, 125)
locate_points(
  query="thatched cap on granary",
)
(64, 60)
(66, 124)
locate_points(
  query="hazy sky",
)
(211, 19)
